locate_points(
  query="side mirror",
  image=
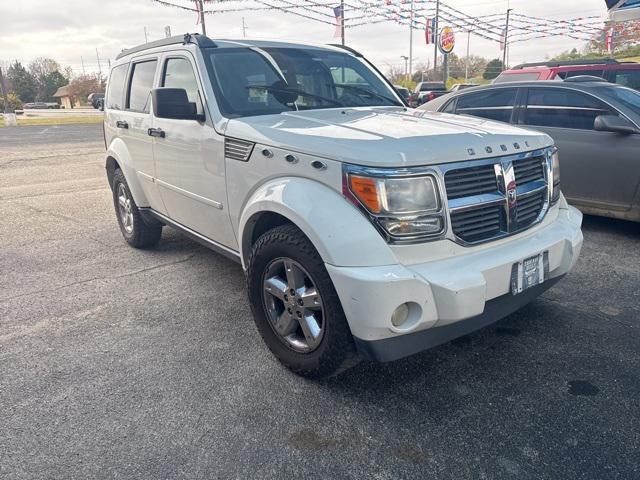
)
(615, 124)
(174, 103)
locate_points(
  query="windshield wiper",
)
(295, 91)
(371, 93)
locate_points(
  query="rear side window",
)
(517, 77)
(139, 97)
(627, 78)
(491, 104)
(178, 73)
(551, 107)
(579, 73)
(115, 92)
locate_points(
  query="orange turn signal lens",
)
(366, 189)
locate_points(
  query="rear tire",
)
(135, 230)
(295, 305)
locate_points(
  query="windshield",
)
(263, 81)
(628, 97)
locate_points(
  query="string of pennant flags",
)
(420, 15)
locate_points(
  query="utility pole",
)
(436, 36)
(244, 29)
(506, 41)
(99, 67)
(406, 72)
(146, 39)
(82, 61)
(5, 97)
(202, 20)
(342, 23)
(410, 43)
(466, 64)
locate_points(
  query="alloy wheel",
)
(293, 305)
(125, 208)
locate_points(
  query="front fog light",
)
(399, 227)
(400, 315)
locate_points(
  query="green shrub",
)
(13, 101)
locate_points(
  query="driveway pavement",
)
(123, 363)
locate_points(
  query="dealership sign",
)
(447, 40)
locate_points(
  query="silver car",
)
(595, 125)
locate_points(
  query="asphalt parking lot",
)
(123, 363)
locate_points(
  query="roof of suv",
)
(568, 63)
(203, 41)
(574, 85)
(571, 66)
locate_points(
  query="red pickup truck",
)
(623, 73)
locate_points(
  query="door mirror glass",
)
(174, 103)
(614, 123)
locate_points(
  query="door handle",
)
(122, 124)
(156, 132)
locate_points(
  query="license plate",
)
(529, 272)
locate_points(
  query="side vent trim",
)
(237, 149)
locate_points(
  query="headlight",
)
(404, 204)
(555, 176)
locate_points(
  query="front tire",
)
(135, 230)
(295, 305)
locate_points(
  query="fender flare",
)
(120, 153)
(341, 234)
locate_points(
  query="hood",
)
(386, 137)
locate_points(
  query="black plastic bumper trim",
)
(395, 348)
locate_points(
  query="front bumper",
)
(454, 295)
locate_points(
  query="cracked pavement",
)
(126, 363)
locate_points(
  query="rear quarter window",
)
(115, 91)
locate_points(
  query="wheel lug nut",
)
(300, 302)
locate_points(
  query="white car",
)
(365, 229)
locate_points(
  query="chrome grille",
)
(529, 208)
(477, 224)
(465, 182)
(529, 169)
(237, 149)
(493, 198)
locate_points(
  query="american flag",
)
(430, 31)
(337, 11)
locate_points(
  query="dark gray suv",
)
(595, 125)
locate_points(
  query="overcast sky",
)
(69, 30)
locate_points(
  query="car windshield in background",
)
(630, 98)
(253, 81)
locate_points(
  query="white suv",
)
(366, 229)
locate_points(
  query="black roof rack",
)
(196, 38)
(348, 49)
(562, 63)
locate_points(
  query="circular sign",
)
(447, 40)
